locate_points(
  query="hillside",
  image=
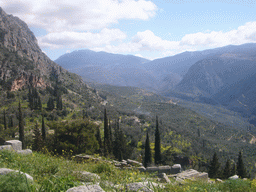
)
(74, 113)
(208, 76)
(102, 67)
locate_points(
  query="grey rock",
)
(6, 147)
(140, 186)
(218, 180)
(134, 163)
(152, 169)
(16, 144)
(164, 169)
(164, 178)
(175, 169)
(86, 188)
(87, 176)
(192, 174)
(4, 171)
(25, 152)
(234, 177)
(141, 169)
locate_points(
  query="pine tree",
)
(43, 129)
(147, 158)
(227, 170)
(214, 167)
(37, 139)
(157, 144)
(21, 127)
(5, 123)
(241, 171)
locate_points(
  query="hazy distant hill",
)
(210, 75)
(108, 68)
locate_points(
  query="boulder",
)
(152, 169)
(16, 144)
(87, 176)
(192, 174)
(86, 188)
(234, 177)
(140, 186)
(25, 152)
(4, 171)
(142, 169)
(164, 178)
(164, 169)
(175, 169)
(218, 180)
(134, 163)
(6, 147)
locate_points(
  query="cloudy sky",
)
(150, 29)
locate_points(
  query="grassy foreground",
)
(53, 173)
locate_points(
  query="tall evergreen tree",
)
(214, 167)
(233, 170)
(21, 127)
(147, 158)
(241, 171)
(11, 125)
(110, 137)
(59, 103)
(227, 170)
(50, 104)
(37, 139)
(106, 134)
(43, 129)
(157, 144)
(5, 122)
(98, 137)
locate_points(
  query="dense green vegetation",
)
(52, 174)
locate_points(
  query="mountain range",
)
(221, 76)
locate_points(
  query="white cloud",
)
(77, 40)
(243, 34)
(78, 14)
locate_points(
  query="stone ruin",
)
(16, 146)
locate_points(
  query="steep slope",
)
(23, 62)
(169, 71)
(210, 75)
(240, 96)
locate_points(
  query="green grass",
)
(52, 173)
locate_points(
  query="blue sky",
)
(151, 29)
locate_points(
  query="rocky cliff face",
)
(17, 42)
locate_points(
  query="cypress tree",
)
(106, 134)
(110, 137)
(233, 170)
(37, 139)
(227, 170)
(50, 104)
(241, 171)
(214, 167)
(59, 103)
(43, 129)
(5, 123)
(147, 158)
(157, 144)
(98, 137)
(11, 125)
(21, 127)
